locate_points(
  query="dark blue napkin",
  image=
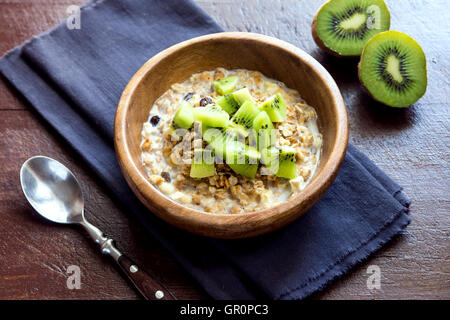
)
(74, 78)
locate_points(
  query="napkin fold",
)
(74, 79)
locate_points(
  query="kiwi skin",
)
(362, 83)
(367, 90)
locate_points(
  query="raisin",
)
(166, 176)
(155, 120)
(205, 101)
(188, 96)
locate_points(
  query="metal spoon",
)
(54, 192)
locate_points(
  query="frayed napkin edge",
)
(365, 250)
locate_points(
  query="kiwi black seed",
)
(287, 163)
(343, 27)
(393, 69)
(244, 121)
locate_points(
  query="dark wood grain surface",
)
(411, 145)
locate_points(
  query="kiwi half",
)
(343, 27)
(393, 69)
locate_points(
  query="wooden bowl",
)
(274, 58)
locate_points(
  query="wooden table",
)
(411, 145)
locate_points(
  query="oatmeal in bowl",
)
(230, 142)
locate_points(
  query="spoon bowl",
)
(52, 190)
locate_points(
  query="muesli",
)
(230, 141)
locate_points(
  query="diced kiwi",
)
(216, 138)
(212, 116)
(263, 127)
(246, 170)
(223, 139)
(237, 152)
(200, 130)
(269, 158)
(268, 155)
(228, 103)
(243, 118)
(202, 164)
(242, 95)
(226, 133)
(204, 127)
(227, 145)
(232, 101)
(243, 160)
(225, 85)
(275, 108)
(184, 117)
(287, 167)
(343, 27)
(393, 69)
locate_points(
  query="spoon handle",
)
(149, 287)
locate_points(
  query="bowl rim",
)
(163, 206)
